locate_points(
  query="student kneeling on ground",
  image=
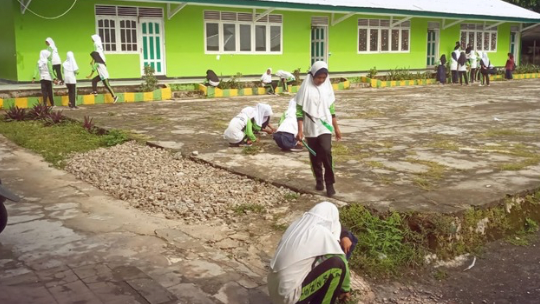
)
(285, 136)
(261, 117)
(285, 78)
(240, 130)
(211, 78)
(310, 263)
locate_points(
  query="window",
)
(480, 37)
(230, 32)
(379, 35)
(117, 26)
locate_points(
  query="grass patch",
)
(495, 133)
(428, 180)
(251, 150)
(370, 114)
(375, 164)
(54, 143)
(154, 118)
(444, 145)
(247, 208)
(291, 196)
(343, 153)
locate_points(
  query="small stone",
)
(178, 156)
(195, 153)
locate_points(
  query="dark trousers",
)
(47, 91)
(97, 79)
(463, 74)
(322, 146)
(324, 282)
(508, 74)
(473, 75)
(58, 70)
(485, 76)
(72, 93)
(454, 76)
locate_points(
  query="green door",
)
(152, 45)
(432, 48)
(318, 44)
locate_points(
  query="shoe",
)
(245, 145)
(94, 93)
(115, 99)
(319, 186)
(297, 148)
(480, 85)
(330, 191)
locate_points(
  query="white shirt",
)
(266, 78)
(285, 75)
(69, 77)
(462, 68)
(235, 132)
(453, 62)
(44, 73)
(280, 280)
(474, 60)
(102, 71)
(314, 129)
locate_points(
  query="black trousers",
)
(58, 70)
(463, 74)
(473, 75)
(485, 76)
(322, 145)
(454, 76)
(47, 91)
(72, 93)
(97, 79)
(321, 281)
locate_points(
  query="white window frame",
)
(477, 30)
(390, 28)
(237, 23)
(117, 20)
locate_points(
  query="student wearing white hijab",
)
(473, 60)
(266, 81)
(240, 129)
(285, 136)
(309, 265)
(45, 72)
(55, 60)
(454, 63)
(285, 78)
(71, 69)
(99, 66)
(98, 47)
(317, 121)
(261, 118)
(485, 65)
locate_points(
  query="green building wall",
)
(184, 43)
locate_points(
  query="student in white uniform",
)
(55, 60)
(266, 81)
(285, 78)
(317, 121)
(45, 72)
(454, 64)
(261, 118)
(485, 66)
(98, 65)
(462, 68)
(240, 129)
(285, 136)
(473, 61)
(71, 69)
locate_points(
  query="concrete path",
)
(427, 149)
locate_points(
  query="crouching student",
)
(45, 72)
(286, 79)
(262, 113)
(310, 264)
(211, 78)
(240, 130)
(71, 69)
(285, 136)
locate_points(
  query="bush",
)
(40, 112)
(114, 137)
(150, 81)
(55, 118)
(15, 114)
(372, 73)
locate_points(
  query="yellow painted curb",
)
(129, 97)
(65, 101)
(108, 98)
(21, 102)
(218, 92)
(148, 96)
(89, 99)
(166, 93)
(261, 91)
(1, 103)
(233, 92)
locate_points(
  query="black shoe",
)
(319, 186)
(330, 191)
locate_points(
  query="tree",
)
(528, 4)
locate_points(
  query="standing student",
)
(285, 78)
(485, 65)
(310, 265)
(71, 69)
(240, 129)
(462, 68)
(509, 67)
(316, 121)
(441, 70)
(285, 136)
(98, 65)
(266, 81)
(454, 64)
(45, 72)
(261, 118)
(212, 78)
(473, 61)
(55, 60)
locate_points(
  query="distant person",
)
(211, 78)
(310, 263)
(473, 63)
(71, 69)
(317, 121)
(266, 81)
(45, 71)
(285, 136)
(240, 129)
(286, 79)
(485, 66)
(454, 64)
(98, 47)
(98, 65)
(462, 68)
(441, 70)
(55, 60)
(509, 67)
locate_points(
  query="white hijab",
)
(316, 233)
(70, 64)
(262, 112)
(98, 46)
(51, 44)
(249, 111)
(43, 58)
(289, 124)
(485, 59)
(316, 100)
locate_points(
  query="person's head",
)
(468, 49)
(49, 41)
(269, 71)
(319, 72)
(511, 56)
(44, 54)
(330, 214)
(69, 55)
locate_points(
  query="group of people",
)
(51, 70)
(468, 66)
(309, 122)
(285, 79)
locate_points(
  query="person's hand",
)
(249, 142)
(338, 134)
(88, 77)
(344, 297)
(300, 135)
(33, 80)
(346, 244)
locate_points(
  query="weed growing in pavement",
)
(291, 196)
(440, 275)
(251, 150)
(247, 208)
(150, 81)
(114, 137)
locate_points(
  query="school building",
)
(185, 38)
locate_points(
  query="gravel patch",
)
(156, 181)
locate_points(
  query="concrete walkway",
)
(426, 149)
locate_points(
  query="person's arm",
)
(300, 121)
(53, 73)
(249, 131)
(335, 123)
(93, 69)
(36, 73)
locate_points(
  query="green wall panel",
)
(8, 52)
